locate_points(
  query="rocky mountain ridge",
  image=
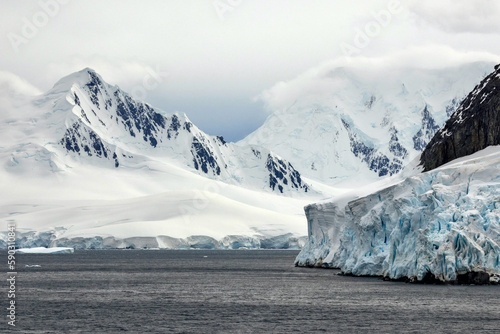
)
(474, 126)
(82, 119)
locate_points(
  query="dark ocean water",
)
(231, 292)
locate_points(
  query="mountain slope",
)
(470, 128)
(82, 119)
(352, 125)
(149, 206)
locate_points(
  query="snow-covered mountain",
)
(87, 165)
(84, 120)
(443, 224)
(356, 124)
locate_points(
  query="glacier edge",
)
(444, 223)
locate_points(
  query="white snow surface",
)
(342, 125)
(445, 222)
(43, 250)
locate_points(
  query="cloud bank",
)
(324, 79)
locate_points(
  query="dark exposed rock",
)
(187, 126)
(376, 161)
(175, 125)
(222, 140)
(478, 278)
(429, 278)
(281, 173)
(428, 129)
(203, 158)
(78, 135)
(115, 157)
(395, 147)
(474, 126)
(94, 85)
(140, 117)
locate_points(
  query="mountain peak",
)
(87, 69)
(80, 78)
(85, 121)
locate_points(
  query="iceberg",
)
(442, 225)
(43, 250)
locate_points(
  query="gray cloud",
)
(219, 64)
(321, 81)
(460, 16)
(11, 84)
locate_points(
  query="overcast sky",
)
(211, 59)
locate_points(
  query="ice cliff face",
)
(346, 124)
(443, 224)
(84, 120)
(44, 242)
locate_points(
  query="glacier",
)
(443, 224)
(33, 242)
(183, 210)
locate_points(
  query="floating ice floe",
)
(43, 250)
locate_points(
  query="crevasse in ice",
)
(444, 222)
